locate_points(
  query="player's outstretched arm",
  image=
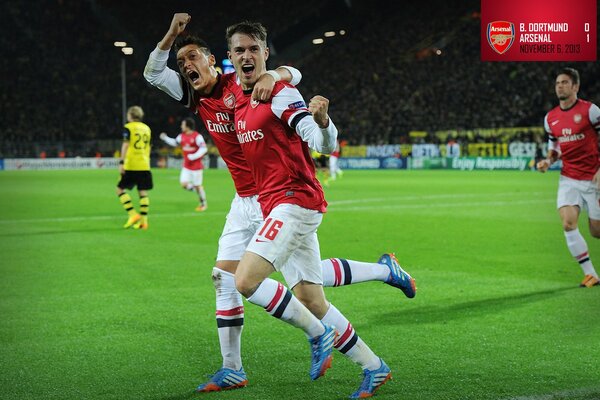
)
(168, 140)
(265, 84)
(156, 71)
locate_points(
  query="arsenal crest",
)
(254, 103)
(229, 100)
(500, 35)
(577, 118)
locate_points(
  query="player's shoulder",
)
(282, 86)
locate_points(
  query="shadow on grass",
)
(468, 309)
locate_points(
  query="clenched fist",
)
(318, 107)
(179, 22)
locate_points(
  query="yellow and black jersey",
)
(138, 152)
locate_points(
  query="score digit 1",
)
(586, 28)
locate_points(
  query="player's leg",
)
(333, 167)
(241, 222)
(197, 178)
(144, 184)
(341, 272)
(277, 238)
(576, 242)
(125, 199)
(307, 287)
(185, 179)
(570, 200)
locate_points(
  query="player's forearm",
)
(169, 140)
(289, 74)
(198, 154)
(552, 156)
(124, 148)
(323, 140)
(158, 74)
(167, 41)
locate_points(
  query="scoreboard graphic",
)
(539, 30)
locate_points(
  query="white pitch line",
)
(334, 205)
(432, 197)
(100, 217)
(440, 205)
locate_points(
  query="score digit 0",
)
(586, 28)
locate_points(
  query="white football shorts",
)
(243, 220)
(191, 176)
(573, 192)
(288, 240)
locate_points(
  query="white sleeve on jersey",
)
(322, 140)
(171, 141)
(594, 115)
(289, 106)
(546, 126)
(202, 149)
(158, 74)
(296, 75)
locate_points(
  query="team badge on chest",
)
(577, 118)
(229, 100)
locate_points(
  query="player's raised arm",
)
(156, 71)
(168, 140)
(265, 84)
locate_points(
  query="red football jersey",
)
(191, 143)
(279, 159)
(575, 130)
(216, 111)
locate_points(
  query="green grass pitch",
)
(92, 311)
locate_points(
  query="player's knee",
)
(119, 191)
(245, 286)
(569, 225)
(595, 231)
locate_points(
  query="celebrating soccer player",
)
(276, 137)
(573, 127)
(199, 87)
(194, 148)
(135, 168)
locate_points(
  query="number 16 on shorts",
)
(269, 230)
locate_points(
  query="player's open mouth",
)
(193, 75)
(247, 69)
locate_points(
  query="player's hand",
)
(163, 136)
(543, 165)
(263, 88)
(318, 107)
(179, 22)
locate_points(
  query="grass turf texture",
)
(92, 311)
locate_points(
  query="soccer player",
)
(134, 167)
(573, 127)
(194, 148)
(199, 87)
(276, 137)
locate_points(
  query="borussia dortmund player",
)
(135, 168)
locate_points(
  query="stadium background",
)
(91, 311)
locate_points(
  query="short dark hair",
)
(183, 41)
(190, 123)
(571, 73)
(254, 29)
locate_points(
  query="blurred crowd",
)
(390, 74)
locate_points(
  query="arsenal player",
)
(199, 87)
(573, 127)
(276, 137)
(194, 148)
